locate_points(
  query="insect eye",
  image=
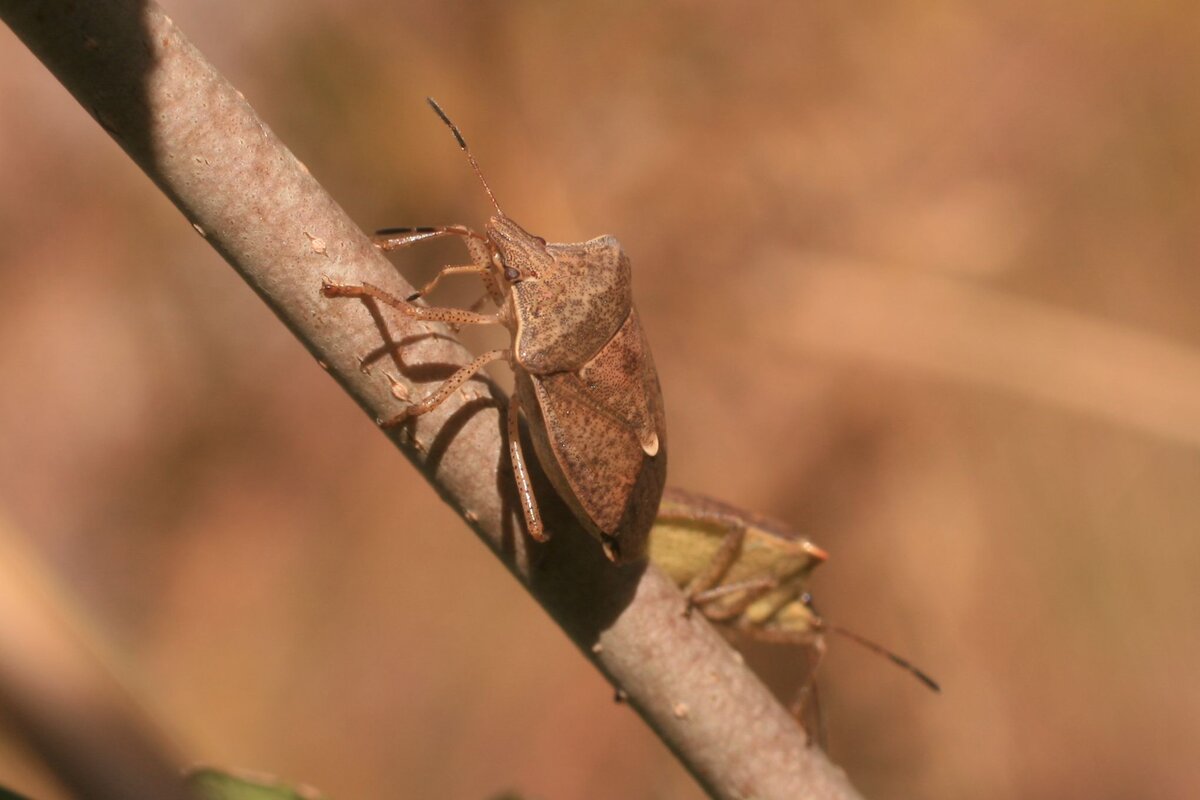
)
(511, 274)
(540, 240)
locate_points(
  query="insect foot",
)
(398, 419)
(331, 289)
(584, 378)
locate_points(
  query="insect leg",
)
(476, 244)
(751, 591)
(481, 255)
(396, 238)
(455, 316)
(451, 270)
(449, 387)
(727, 554)
(533, 517)
(478, 304)
(806, 706)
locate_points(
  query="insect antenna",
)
(879, 649)
(463, 144)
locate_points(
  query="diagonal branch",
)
(197, 138)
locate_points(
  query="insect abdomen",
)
(593, 440)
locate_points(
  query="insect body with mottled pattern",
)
(584, 376)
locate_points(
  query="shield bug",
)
(750, 573)
(584, 377)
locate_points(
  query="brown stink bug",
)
(584, 375)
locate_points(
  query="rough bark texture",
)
(198, 139)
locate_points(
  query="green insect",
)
(750, 573)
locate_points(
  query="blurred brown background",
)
(920, 278)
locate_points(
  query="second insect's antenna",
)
(879, 649)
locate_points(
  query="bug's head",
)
(517, 254)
